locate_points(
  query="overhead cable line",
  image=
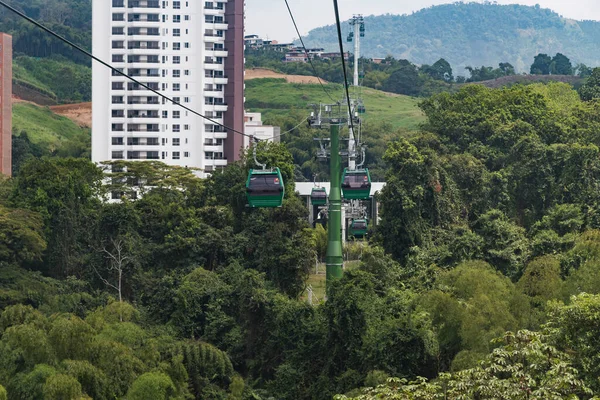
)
(87, 53)
(306, 52)
(339, 32)
(288, 131)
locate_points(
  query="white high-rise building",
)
(191, 51)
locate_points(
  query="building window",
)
(176, 60)
(176, 129)
(176, 141)
(176, 155)
(118, 113)
(176, 5)
(165, 114)
(187, 45)
(118, 58)
(176, 32)
(118, 17)
(118, 44)
(177, 18)
(176, 100)
(118, 3)
(186, 99)
(117, 30)
(176, 114)
(187, 72)
(186, 154)
(176, 87)
(118, 86)
(117, 99)
(176, 46)
(176, 73)
(117, 141)
(187, 17)
(186, 127)
(117, 155)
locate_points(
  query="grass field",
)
(276, 97)
(48, 130)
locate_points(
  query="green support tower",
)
(334, 258)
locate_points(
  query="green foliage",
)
(151, 386)
(21, 236)
(488, 73)
(473, 305)
(48, 134)
(570, 327)
(60, 78)
(541, 280)
(275, 97)
(561, 65)
(62, 387)
(525, 366)
(3, 395)
(590, 90)
(542, 64)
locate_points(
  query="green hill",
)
(37, 131)
(473, 34)
(274, 97)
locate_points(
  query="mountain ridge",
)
(472, 34)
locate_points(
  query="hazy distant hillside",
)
(473, 34)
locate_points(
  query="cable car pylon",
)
(334, 258)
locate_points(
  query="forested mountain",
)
(473, 34)
(70, 18)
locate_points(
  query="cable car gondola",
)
(359, 228)
(264, 188)
(318, 196)
(356, 184)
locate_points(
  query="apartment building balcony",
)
(220, 135)
(142, 44)
(144, 72)
(216, 162)
(216, 53)
(213, 93)
(213, 148)
(220, 107)
(143, 128)
(142, 155)
(214, 12)
(142, 4)
(212, 38)
(142, 100)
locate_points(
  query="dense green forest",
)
(69, 18)
(482, 277)
(472, 34)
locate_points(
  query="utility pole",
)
(334, 258)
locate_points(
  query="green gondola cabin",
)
(265, 188)
(358, 228)
(356, 184)
(318, 196)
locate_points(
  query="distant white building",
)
(192, 52)
(254, 127)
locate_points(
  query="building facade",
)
(254, 128)
(190, 51)
(5, 104)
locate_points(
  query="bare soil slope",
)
(257, 73)
(80, 113)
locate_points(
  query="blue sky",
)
(269, 18)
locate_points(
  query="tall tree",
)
(541, 65)
(561, 65)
